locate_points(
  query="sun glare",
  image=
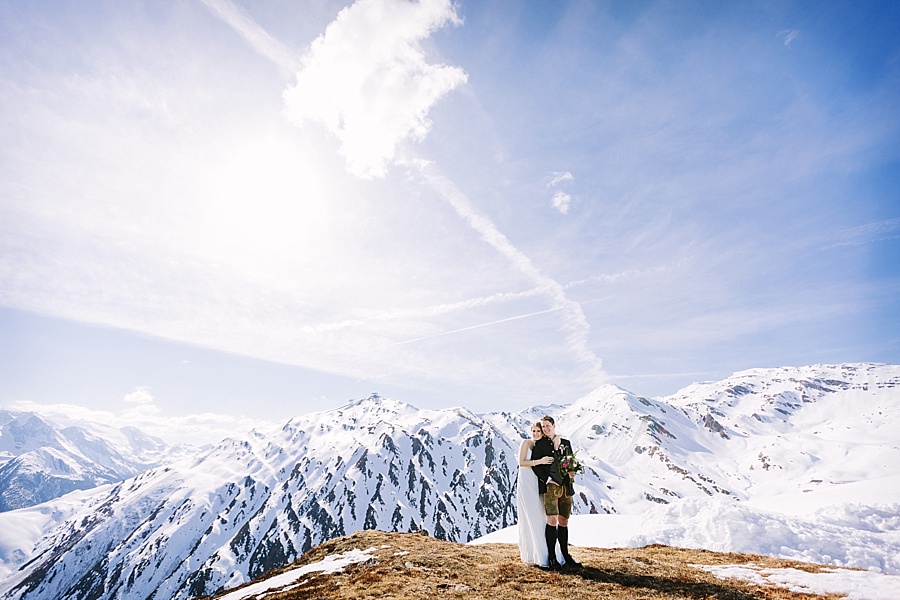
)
(263, 200)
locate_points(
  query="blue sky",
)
(219, 213)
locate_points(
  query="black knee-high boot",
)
(550, 535)
(562, 533)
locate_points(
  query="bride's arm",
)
(523, 453)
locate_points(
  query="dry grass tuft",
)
(412, 565)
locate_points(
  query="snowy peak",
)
(781, 400)
(790, 384)
(376, 405)
(22, 432)
(611, 421)
(378, 416)
(366, 412)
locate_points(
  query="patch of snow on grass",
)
(858, 585)
(329, 564)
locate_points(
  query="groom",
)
(556, 490)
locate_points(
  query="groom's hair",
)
(548, 418)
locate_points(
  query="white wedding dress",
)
(532, 520)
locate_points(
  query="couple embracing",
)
(544, 497)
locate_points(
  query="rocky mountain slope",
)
(247, 506)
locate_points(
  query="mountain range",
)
(234, 511)
(41, 459)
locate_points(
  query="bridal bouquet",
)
(569, 463)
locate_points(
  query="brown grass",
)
(411, 565)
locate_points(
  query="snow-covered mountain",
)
(758, 433)
(249, 505)
(246, 506)
(41, 460)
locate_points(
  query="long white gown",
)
(532, 520)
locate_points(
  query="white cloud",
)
(140, 395)
(558, 177)
(561, 201)
(789, 36)
(367, 81)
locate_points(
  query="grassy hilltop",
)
(413, 565)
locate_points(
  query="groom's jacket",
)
(544, 447)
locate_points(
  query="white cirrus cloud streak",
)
(254, 35)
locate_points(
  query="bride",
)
(532, 520)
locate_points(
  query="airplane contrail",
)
(256, 36)
(470, 327)
(574, 320)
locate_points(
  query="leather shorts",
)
(557, 501)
